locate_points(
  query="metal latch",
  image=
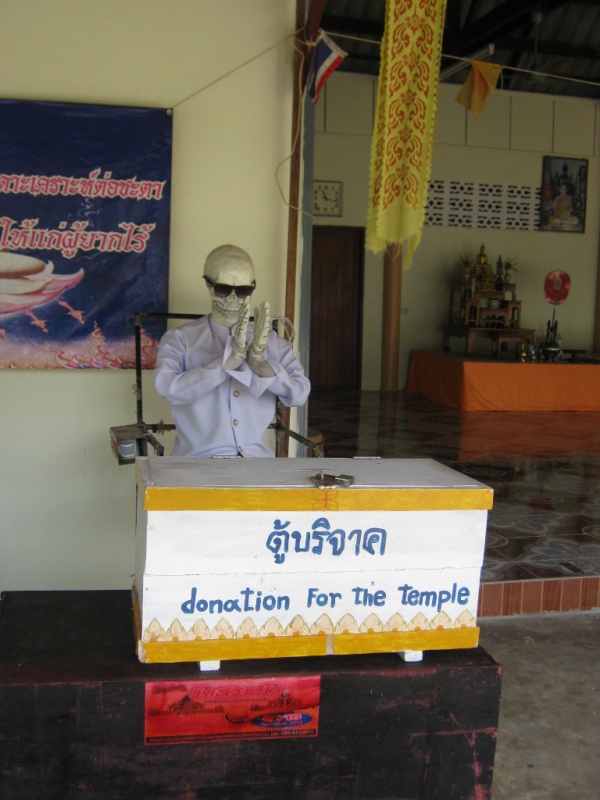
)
(323, 480)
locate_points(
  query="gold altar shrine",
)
(490, 313)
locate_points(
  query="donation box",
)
(263, 558)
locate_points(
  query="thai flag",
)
(328, 57)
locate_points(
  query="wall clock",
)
(327, 198)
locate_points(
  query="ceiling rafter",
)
(506, 18)
(353, 26)
(549, 47)
(568, 37)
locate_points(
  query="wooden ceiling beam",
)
(311, 31)
(314, 18)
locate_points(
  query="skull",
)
(228, 266)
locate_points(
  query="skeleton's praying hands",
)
(256, 352)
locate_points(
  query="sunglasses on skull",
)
(224, 289)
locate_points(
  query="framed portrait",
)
(564, 194)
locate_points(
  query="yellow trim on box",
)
(234, 649)
(163, 498)
(295, 646)
(440, 639)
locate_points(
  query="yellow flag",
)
(404, 123)
(480, 84)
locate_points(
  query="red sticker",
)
(248, 708)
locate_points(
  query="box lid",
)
(241, 484)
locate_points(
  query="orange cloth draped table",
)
(471, 385)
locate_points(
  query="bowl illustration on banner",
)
(237, 713)
(27, 282)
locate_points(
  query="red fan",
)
(557, 286)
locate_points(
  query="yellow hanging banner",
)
(402, 143)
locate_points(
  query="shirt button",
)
(235, 422)
(236, 393)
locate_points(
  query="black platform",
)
(72, 708)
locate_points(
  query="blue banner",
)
(84, 232)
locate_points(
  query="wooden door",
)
(336, 307)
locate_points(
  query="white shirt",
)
(218, 411)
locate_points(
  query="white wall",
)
(504, 146)
(68, 509)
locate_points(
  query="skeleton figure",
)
(222, 374)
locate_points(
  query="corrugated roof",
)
(551, 37)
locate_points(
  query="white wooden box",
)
(249, 558)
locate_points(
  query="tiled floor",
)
(543, 541)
